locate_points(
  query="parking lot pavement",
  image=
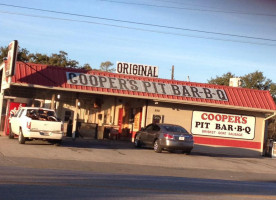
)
(107, 155)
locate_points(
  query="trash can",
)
(273, 150)
(106, 132)
(100, 132)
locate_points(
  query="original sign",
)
(223, 125)
(145, 86)
(137, 69)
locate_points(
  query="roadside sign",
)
(12, 56)
(223, 125)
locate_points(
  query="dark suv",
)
(165, 137)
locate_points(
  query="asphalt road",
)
(87, 169)
(32, 184)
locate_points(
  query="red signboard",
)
(13, 108)
(12, 54)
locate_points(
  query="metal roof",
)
(52, 77)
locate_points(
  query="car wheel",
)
(137, 142)
(21, 138)
(187, 152)
(11, 134)
(157, 148)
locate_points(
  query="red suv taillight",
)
(168, 136)
(29, 125)
(62, 127)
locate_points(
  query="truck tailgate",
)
(47, 126)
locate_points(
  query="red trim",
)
(56, 77)
(227, 142)
(133, 134)
(120, 119)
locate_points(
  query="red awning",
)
(56, 78)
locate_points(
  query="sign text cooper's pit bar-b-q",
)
(145, 86)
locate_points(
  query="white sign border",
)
(235, 138)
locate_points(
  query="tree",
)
(256, 80)
(3, 53)
(39, 58)
(86, 66)
(56, 59)
(22, 54)
(273, 91)
(106, 66)
(222, 80)
(62, 60)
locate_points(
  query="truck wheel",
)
(58, 142)
(21, 138)
(11, 134)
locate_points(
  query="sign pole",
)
(172, 72)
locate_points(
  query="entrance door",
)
(137, 119)
(120, 119)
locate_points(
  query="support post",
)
(172, 72)
(1, 105)
(75, 117)
(53, 102)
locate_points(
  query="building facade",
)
(217, 116)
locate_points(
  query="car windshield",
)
(171, 128)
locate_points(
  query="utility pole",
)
(172, 72)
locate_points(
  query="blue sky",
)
(199, 58)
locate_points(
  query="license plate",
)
(181, 138)
(45, 134)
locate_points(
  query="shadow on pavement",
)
(198, 150)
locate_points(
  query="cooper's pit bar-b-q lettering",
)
(145, 86)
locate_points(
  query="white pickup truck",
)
(36, 123)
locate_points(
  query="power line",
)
(138, 29)
(192, 9)
(182, 3)
(140, 23)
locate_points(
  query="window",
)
(148, 128)
(21, 112)
(177, 129)
(17, 113)
(158, 119)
